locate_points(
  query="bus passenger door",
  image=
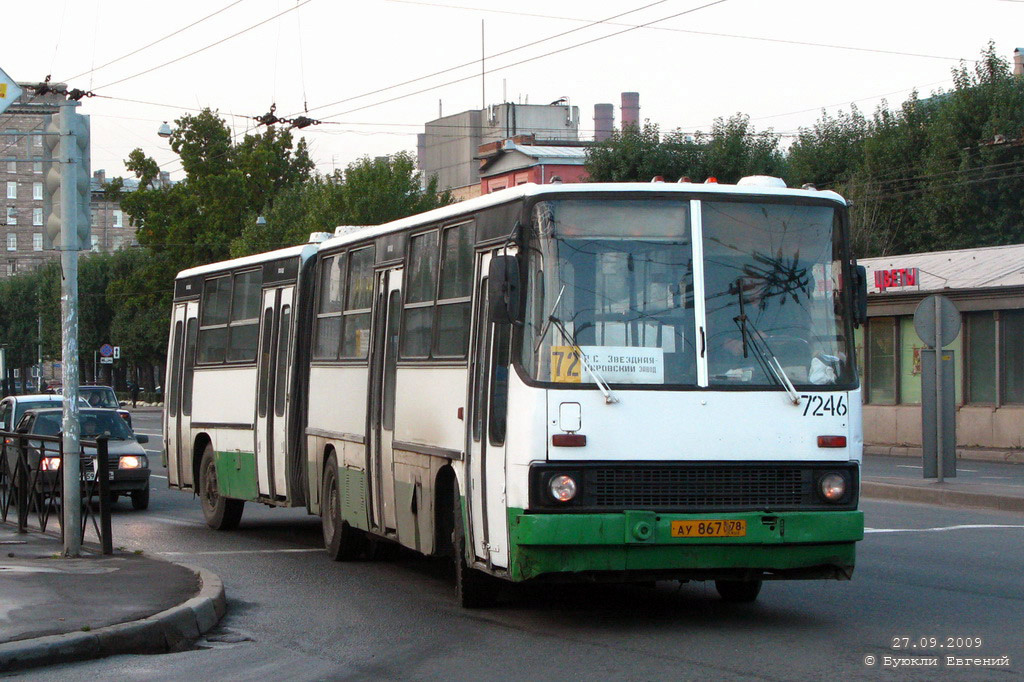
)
(180, 367)
(264, 436)
(278, 431)
(488, 395)
(387, 312)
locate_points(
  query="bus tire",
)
(473, 589)
(221, 513)
(738, 591)
(342, 541)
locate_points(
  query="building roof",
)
(564, 155)
(981, 268)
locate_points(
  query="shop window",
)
(1012, 356)
(881, 360)
(981, 357)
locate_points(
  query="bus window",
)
(453, 305)
(283, 347)
(391, 358)
(355, 342)
(190, 354)
(244, 325)
(216, 311)
(172, 390)
(328, 318)
(268, 335)
(419, 296)
(499, 384)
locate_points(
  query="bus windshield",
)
(614, 280)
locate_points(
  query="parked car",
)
(129, 466)
(104, 396)
(14, 406)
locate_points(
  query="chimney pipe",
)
(630, 109)
(1018, 62)
(604, 121)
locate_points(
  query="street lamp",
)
(164, 130)
(261, 221)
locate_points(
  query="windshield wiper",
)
(770, 364)
(602, 385)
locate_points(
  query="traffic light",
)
(69, 165)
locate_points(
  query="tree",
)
(730, 151)
(368, 192)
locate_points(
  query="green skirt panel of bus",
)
(236, 475)
(756, 544)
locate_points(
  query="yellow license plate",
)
(710, 528)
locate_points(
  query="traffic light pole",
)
(71, 501)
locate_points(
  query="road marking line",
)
(155, 452)
(968, 526)
(996, 478)
(908, 466)
(242, 551)
(158, 476)
(149, 433)
(173, 522)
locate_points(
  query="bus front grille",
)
(693, 486)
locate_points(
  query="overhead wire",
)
(528, 59)
(207, 47)
(492, 56)
(155, 42)
(804, 43)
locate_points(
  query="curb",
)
(941, 496)
(174, 629)
(962, 454)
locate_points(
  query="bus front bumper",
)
(638, 545)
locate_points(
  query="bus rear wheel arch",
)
(221, 513)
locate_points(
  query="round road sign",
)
(106, 350)
(926, 321)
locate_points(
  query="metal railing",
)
(32, 484)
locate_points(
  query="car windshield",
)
(615, 280)
(100, 397)
(31, 405)
(94, 423)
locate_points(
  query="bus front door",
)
(387, 312)
(485, 425)
(178, 390)
(272, 393)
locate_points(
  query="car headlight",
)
(562, 487)
(50, 463)
(832, 486)
(131, 462)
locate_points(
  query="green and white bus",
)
(602, 382)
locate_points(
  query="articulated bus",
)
(596, 382)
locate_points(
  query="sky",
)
(374, 71)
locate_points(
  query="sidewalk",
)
(980, 484)
(56, 610)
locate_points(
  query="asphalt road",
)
(923, 572)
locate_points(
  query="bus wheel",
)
(473, 589)
(342, 541)
(738, 591)
(220, 512)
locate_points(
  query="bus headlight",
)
(832, 486)
(562, 487)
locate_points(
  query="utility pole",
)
(67, 229)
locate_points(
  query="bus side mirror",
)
(503, 289)
(860, 295)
